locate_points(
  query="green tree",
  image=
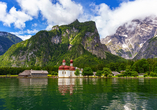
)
(98, 73)
(77, 72)
(155, 69)
(53, 73)
(134, 73)
(153, 74)
(127, 72)
(141, 66)
(112, 66)
(87, 71)
(106, 71)
(122, 66)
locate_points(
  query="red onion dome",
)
(66, 67)
(63, 61)
(61, 67)
(72, 68)
(71, 61)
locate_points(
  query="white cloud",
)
(30, 6)
(18, 18)
(25, 32)
(2, 10)
(85, 17)
(49, 27)
(66, 11)
(31, 31)
(24, 37)
(35, 25)
(108, 20)
(63, 12)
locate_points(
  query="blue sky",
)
(26, 17)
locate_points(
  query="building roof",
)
(115, 72)
(66, 67)
(39, 71)
(71, 61)
(28, 72)
(61, 67)
(72, 68)
(63, 61)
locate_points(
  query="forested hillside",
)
(7, 40)
(77, 41)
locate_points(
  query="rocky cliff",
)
(149, 49)
(77, 41)
(7, 40)
(130, 37)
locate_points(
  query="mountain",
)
(130, 37)
(149, 49)
(7, 40)
(77, 41)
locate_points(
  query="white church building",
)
(68, 71)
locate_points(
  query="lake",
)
(78, 94)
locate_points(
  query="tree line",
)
(128, 68)
(131, 67)
(17, 70)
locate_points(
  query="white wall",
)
(67, 73)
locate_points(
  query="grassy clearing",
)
(8, 75)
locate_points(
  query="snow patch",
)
(125, 35)
(150, 28)
(154, 21)
(145, 30)
(124, 46)
(109, 41)
(141, 45)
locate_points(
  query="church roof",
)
(72, 68)
(71, 61)
(66, 67)
(61, 67)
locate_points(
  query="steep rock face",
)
(77, 41)
(91, 42)
(149, 49)
(7, 40)
(129, 38)
(88, 37)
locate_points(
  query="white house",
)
(68, 71)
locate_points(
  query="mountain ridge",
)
(130, 37)
(7, 40)
(149, 49)
(77, 41)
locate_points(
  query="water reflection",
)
(32, 84)
(141, 81)
(33, 81)
(66, 85)
(78, 94)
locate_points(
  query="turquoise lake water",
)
(78, 94)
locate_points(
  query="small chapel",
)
(68, 71)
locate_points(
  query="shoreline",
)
(16, 76)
